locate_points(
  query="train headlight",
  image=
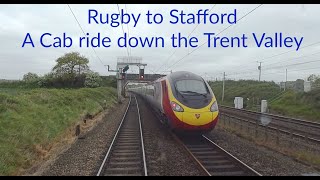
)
(176, 107)
(214, 107)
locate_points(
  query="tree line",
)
(71, 71)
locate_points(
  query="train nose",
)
(197, 118)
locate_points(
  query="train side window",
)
(153, 90)
(150, 90)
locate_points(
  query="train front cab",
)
(190, 105)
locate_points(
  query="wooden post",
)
(77, 130)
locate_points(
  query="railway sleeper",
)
(125, 164)
(207, 162)
(126, 170)
(228, 173)
(124, 159)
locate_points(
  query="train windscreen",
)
(191, 87)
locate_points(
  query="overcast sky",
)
(238, 63)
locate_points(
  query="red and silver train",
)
(183, 100)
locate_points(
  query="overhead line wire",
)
(214, 36)
(128, 31)
(123, 30)
(85, 34)
(167, 60)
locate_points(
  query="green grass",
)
(35, 117)
(298, 105)
(17, 84)
(288, 103)
(251, 91)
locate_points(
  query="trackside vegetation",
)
(30, 119)
(299, 105)
(39, 111)
(303, 105)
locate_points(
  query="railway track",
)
(298, 127)
(212, 159)
(126, 154)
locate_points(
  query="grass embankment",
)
(298, 105)
(251, 91)
(30, 119)
(287, 103)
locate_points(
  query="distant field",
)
(32, 118)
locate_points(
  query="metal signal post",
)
(123, 64)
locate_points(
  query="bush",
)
(92, 80)
(30, 77)
(109, 81)
(53, 80)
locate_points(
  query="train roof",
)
(184, 75)
(179, 75)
